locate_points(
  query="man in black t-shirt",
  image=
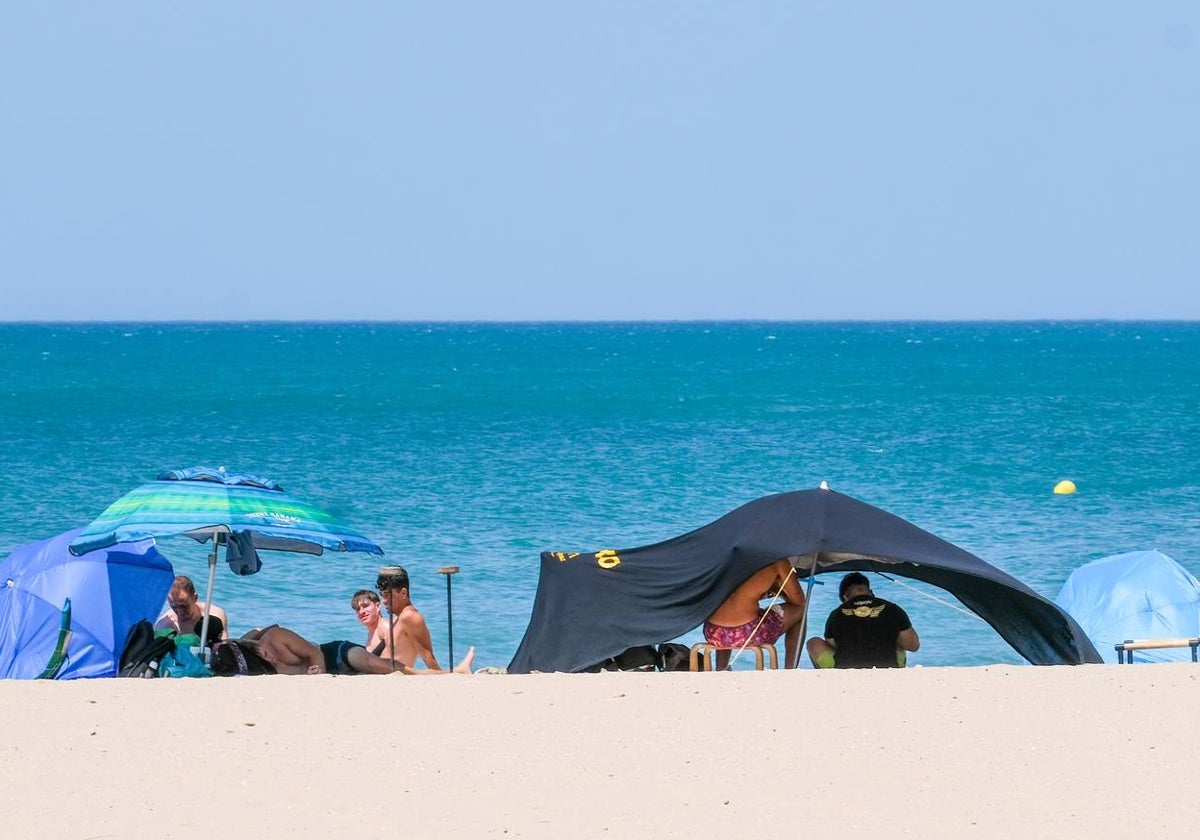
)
(864, 632)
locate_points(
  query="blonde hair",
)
(363, 595)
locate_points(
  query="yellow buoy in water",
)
(1065, 487)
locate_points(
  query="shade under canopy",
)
(590, 606)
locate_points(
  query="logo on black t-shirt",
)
(863, 609)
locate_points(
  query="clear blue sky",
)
(600, 160)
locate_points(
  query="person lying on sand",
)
(290, 653)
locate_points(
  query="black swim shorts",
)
(335, 654)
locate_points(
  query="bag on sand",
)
(143, 651)
(639, 658)
(181, 662)
(672, 656)
(669, 656)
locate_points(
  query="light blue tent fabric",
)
(1140, 595)
(110, 590)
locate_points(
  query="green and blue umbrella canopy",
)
(202, 502)
(242, 511)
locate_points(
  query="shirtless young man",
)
(185, 613)
(404, 631)
(290, 653)
(733, 623)
(368, 610)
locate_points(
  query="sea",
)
(479, 445)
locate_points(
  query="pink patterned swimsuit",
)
(734, 637)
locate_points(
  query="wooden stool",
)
(704, 651)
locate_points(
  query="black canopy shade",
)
(590, 606)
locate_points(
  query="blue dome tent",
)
(1138, 595)
(67, 617)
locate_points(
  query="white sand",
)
(1099, 751)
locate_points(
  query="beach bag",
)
(639, 658)
(181, 662)
(672, 656)
(143, 651)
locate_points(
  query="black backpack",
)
(639, 658)
(673, 656)
(669, 656)
(144, 651)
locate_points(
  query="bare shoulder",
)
(258, 632)
(411, 617)
(768, 575)
(217, 611)
(285, 633)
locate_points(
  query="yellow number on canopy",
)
(607, 559)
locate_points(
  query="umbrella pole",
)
(449, 572)
(208, 590)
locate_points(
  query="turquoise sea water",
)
(480, 445)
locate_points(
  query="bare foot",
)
(464, 667)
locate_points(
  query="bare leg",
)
(793, 618)
(722, 658)
(820, 652)
(791, 646)
(365, 662)
(463, 667)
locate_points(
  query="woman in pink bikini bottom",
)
(768, 631)
(740, 621)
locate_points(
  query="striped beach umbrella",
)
(243, 512)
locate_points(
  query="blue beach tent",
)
(67, 617)
(1141, 595)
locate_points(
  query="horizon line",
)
(580, 321)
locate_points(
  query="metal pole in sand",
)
(219, 538)
(384, 581)
(449, 572)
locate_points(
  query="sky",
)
(600, 160)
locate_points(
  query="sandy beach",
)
(1000, 751)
